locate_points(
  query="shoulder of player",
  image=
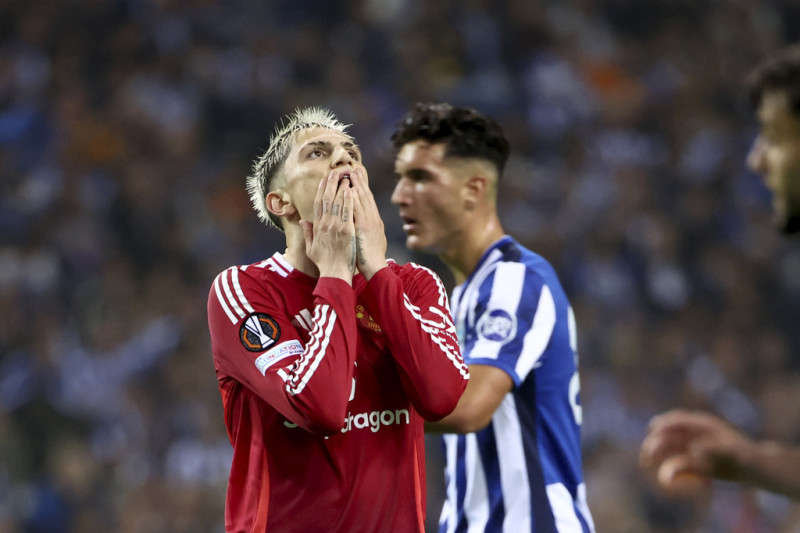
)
(233, 272)
(241, 292)
(516, 257)
(418, 279)
(244, 280)
(271, 267)
(411, 270)
(515, 276)
(507, 271)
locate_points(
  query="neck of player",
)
(462, 256)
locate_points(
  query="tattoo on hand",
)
(345, 215)
(359, 249)
(335, 210)
(353, 247)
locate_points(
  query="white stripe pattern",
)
(277, 264)
(513, 474)
(304, 319)
(283, 263)
(583, 507)
(232, 299)
(563, 508)
(238, 290)
(472, 291)
(222, 299)
(439, 285)
(434, 329)
(476, 495)
(510, 477)
(538, 337)
(446, 323)
(450, 509)
(324, 322)
(507, 284)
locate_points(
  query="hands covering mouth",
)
(348, 175)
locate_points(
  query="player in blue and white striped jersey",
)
(512, 446)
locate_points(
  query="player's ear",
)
(474, 190)
(279, 203)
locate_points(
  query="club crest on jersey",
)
(259, 331)
(366, 320)
(497, 325)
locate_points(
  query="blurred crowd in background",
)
(127, 128)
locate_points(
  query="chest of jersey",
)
(378, 404)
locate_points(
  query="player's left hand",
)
(370, 233)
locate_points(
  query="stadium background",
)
(126, 130)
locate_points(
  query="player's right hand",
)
(696, 443)
(330, 240)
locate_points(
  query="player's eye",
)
(419, 177)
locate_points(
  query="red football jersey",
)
(325, 387)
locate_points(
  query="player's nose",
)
(343, 157)
(400, 193)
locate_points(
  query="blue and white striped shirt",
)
(522, 473)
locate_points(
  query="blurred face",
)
(429, 195)
(316, 153)
(775, 155)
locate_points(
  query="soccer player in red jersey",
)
(329, 358)
(686, 448)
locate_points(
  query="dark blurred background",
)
(126, 131)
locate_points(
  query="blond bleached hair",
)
(266, 167)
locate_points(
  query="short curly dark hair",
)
(465, 132)
(780, 72)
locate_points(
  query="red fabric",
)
(348, 464)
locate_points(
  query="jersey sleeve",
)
(515, 316)
(254, 343)
(410, 303)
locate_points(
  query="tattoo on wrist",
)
(353, 247)
(360, 250)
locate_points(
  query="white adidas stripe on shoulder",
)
(239, 293)
(279, 260)
(221, 298)
(277, 264)
(231, 296)
(226, 285)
